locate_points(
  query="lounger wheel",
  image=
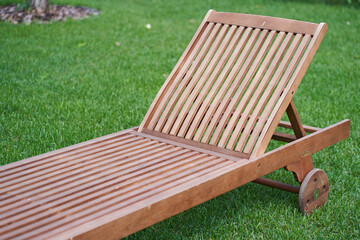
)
(314, 191)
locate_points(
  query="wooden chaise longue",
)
(205, 133)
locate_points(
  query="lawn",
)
(67, 82)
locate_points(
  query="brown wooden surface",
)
(226, 108)
(314, 191)
(118, 185)
(209, 104)
(40, 157)
(283, 137)
(300, 168)
(250, 98)
(295, 121)
(289, 91)
(201, 87)
(220, 182)
(60, 192)
(264, 22)
(305, 164)
(234, 87)
(208, 88)
(278, 185)
(223, 97)
(107, 182)
(178, 70)
(260, 96)
(191, 78)
(297, 48)
(201, 147)
(308, 129)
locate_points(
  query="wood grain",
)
(220, 182)
(157, 105)
(314, 191)
(264, 22)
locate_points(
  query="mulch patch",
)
(15, 15)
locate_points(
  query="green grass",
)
(67, 82)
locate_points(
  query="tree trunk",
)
(40, 5)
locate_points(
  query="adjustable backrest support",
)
(235, 80)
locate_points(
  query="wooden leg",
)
(301, 167)
(295, 120)
(304, 165)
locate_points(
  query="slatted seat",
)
(206, 133)
(99, 180)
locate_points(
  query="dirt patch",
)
(15, 14)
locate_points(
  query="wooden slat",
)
(234, 50)
(134, 166)
(69, 166)
(174, 80)
(227, 98)
(185, 80)
(269, 82)
(190, 51)
(81, 176)
(201, 91)
(307, 128)
(120, 224)
(125, 180)
(122, 169)
(139, 166)
(263, 120)
(283, 137)
(51, 164)
(252, 95)
(110, 201)
(14, 165)
(240, 98)
(93, 178)
(290, 90)
(210, 115)
(164, 185)
(264, 22)
(196, 146)
(56, 159)
(64, 162)
(199, 80)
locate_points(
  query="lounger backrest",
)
(234, 81)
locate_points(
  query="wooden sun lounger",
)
(206, 133)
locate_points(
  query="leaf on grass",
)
(82, 44)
